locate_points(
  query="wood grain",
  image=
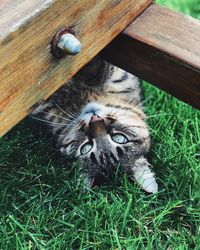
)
(28, 71)
(17, 13)
(163, 47)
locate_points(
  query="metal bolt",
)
(65, 43)
(69, 44)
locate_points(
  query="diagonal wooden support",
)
(163, 47)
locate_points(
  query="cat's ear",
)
(143, 175)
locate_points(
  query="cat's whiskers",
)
(48, 122)
(65, 112)
(63, 118)
(71, 114)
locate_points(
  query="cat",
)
(97, 117)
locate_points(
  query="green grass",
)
(42, 208)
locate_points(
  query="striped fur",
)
(97, 117)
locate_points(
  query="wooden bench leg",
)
(163, 47)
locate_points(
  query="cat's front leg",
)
(143, 175)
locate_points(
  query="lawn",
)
(42, 208)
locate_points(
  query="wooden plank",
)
(29, 73)
(15, 13)
(163, 47)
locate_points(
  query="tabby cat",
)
(97, 117)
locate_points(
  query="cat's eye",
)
(119, 138)
(85, 148)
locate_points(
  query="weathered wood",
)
(28, 71)
(162, 47)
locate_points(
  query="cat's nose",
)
(97, 126)
(95, 118)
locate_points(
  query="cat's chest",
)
(120, 84)
(123, 85)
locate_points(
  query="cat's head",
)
(104, 135)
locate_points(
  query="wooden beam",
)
(28, 71)
(163, 47)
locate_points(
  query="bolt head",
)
(65, 43)
(69, 44)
